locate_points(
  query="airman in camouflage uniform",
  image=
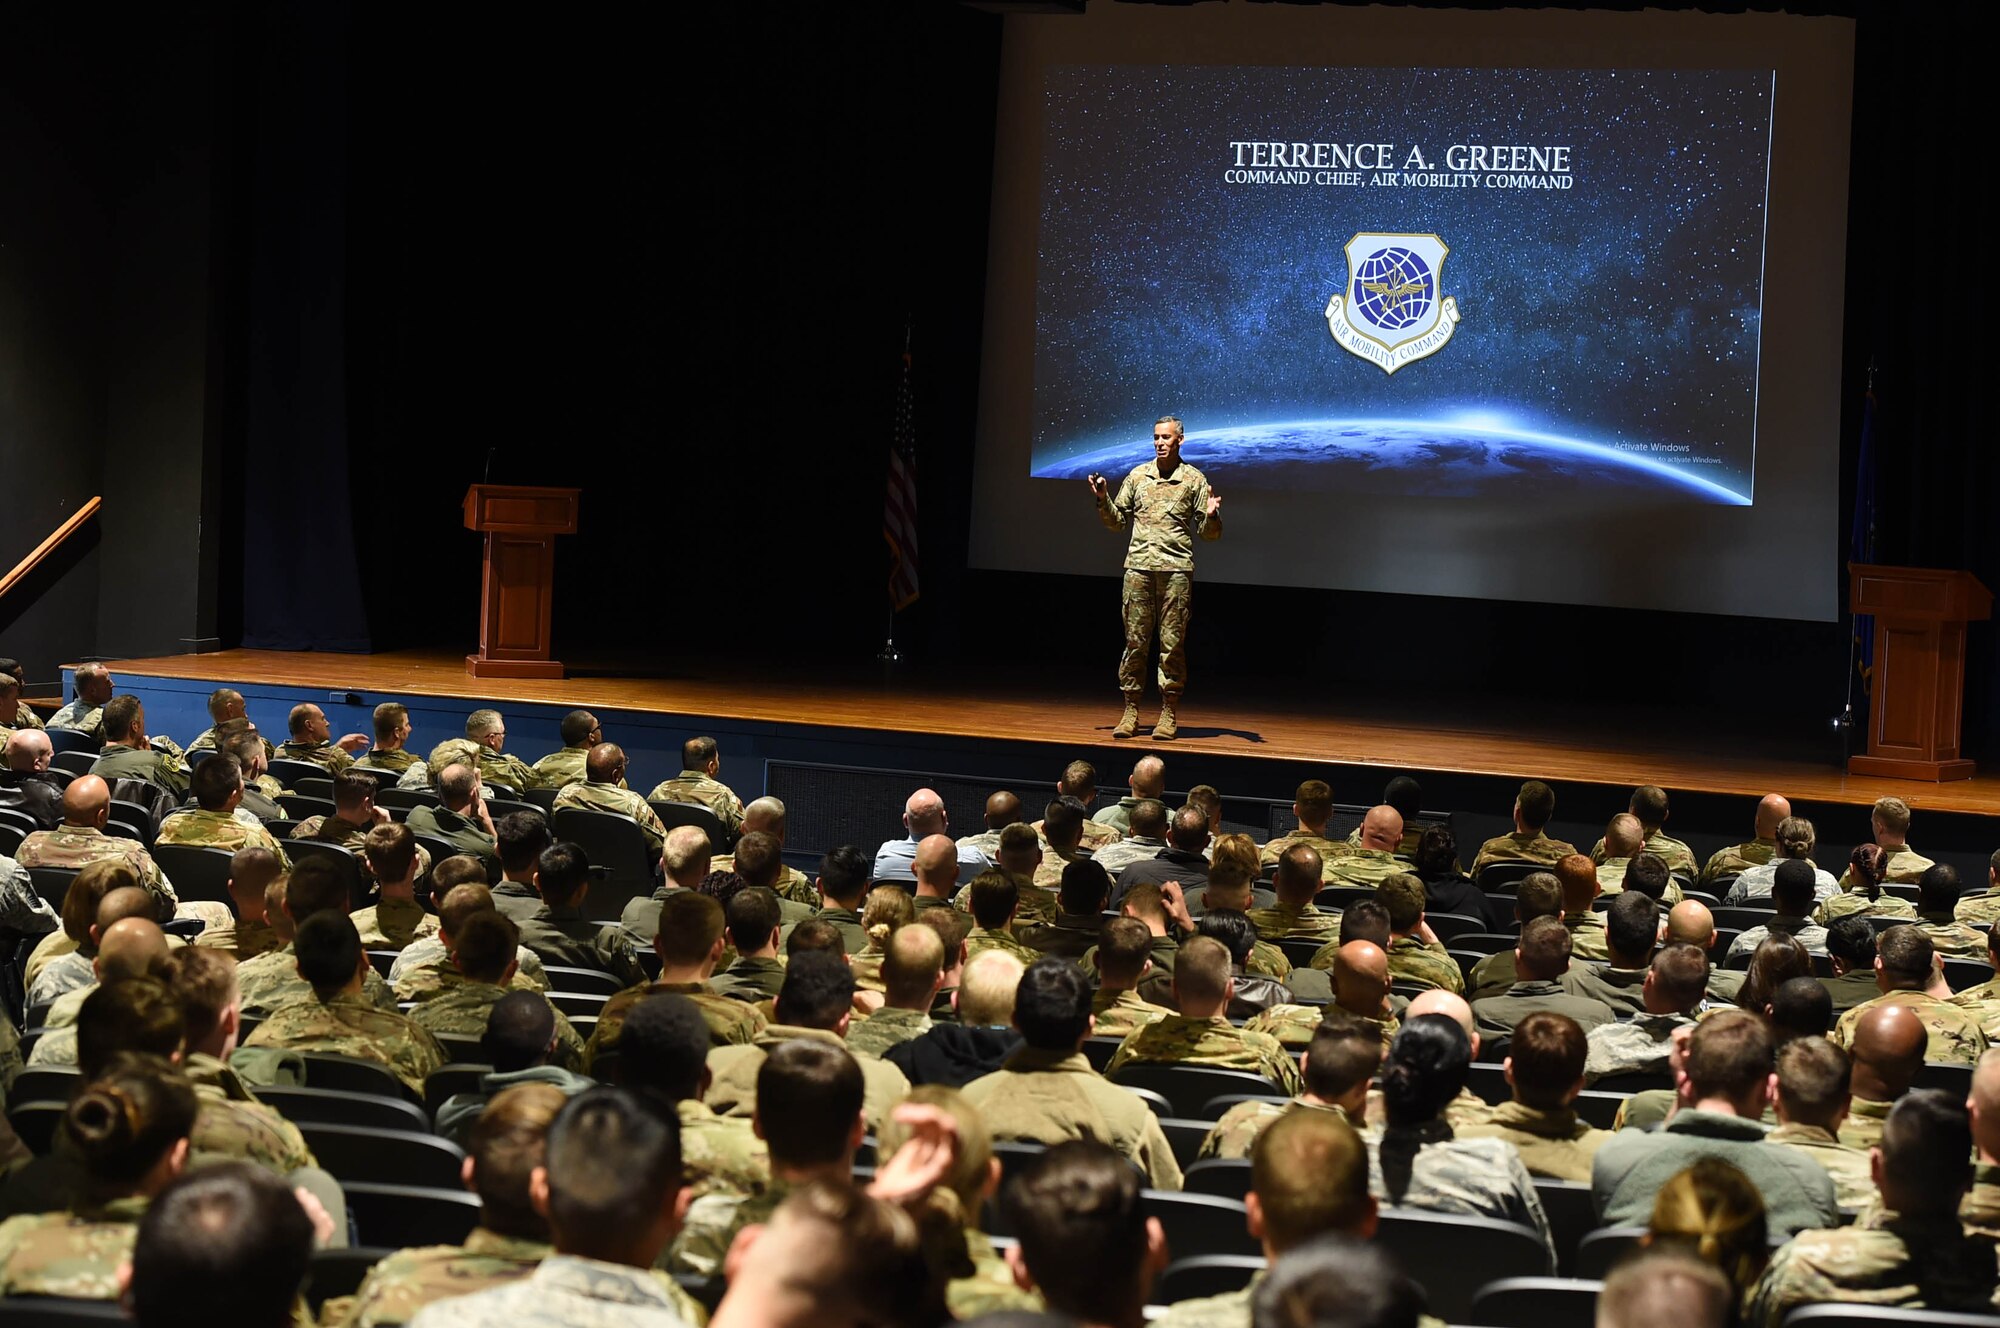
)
(1294, 1025)
(1982, 1003)
(712, 1223)
(611, 798)
(25, 717)
(75, 1255)
(1121, 1013)
(1587, 938)
(792, 884)
(990, 1287)
(1520, 846)
(231, 1123)
(198, 828)
(1954, 940)
(323, 752)
(697, 783)
(1853, 1181)
(409, 1279)
(721, 1152)
(732, 1089)
(981, 939)
(1426, 962)
(78, 846)
(80, 716)
(463, 1012)
(1981, 908)
(271, 980)
(1884, 1259)
(1739, 858)
(1552, 1141)
(1851, 901)
(1241, 1124)
(730, 1022)
(351, 1026)
(352, 837)
(1167, 504)
(425, 970)
(570, 765)
(1627, 1048)
(1470, 1177)
(1328, 849)
(1678, 856)
(1362, 867)
(1979, 1211)
(1278, 921)
(1179, 1039)
(1955, 1038)
(887, 1027)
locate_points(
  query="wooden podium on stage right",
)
(520, 524)
(1918, 692)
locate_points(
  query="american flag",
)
(899, 504)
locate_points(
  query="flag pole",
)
(1861, 544)
(904, 438)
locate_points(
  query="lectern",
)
(520, 524)
(1919, 679)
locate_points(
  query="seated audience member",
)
(684, 862)
(1914, 1251)
(1200, 1033)
(1468, 1108)
(1359, 986)
(390, 754)
(842, 884)
(1447, 889)
(1689, 922)
(1666, 1290)
(1374, 860)
(1533, 808)
(214, 822)
(1085, 1241)
(1255, 990)
(1046, 1092)
(1861, 891)
(354, 815)
(816, 1003)
(833, 1254)
(1938, 891)
(522, 1042)
(1801, 1008)
(936, 869)
(240, 739)
(952, 928)
(1889, 823)
(923, 816)
(1313, 806)
(85, 714)
(1079, 781)
(14, 712)
(63, 960)
(669, 1057)
(1296, 883)
(1145, 839)
(1905, 972)
(979, 1040)
(1335, 1280)
(1003, 808)
(506, 1145)
(1079, 913)
(312, 740)
(231, 1122)
(1336, 1068)
(808, 1111)
(1711, 1212)
(1631, 930)
(129, 1125)
(1815, 1082)
(336, 1017)
(1149, 906)
(1578, 875)
(483, 949)
(569, 764)
(1037, 865)
(611, 1189)
(1773, 963)
(395, 918)
(251, 874)
(1731, 862)
(1980, 908)
(886, 910)
(912, 972)
(1725, 1080)
(602, 789)
(1796, 840)
(423, 968)
(226, 1244)
(1981, 1210)
(1982, 1002)
(689, 943)
(752, 921)
(560, 934)
(80, 840)
(1183, 861)
(272, 979)
(24, 785)
(1792, 898)
(1415, 953)
(1544, 1069)
(1418, 1162)
(130, 754)
(701, 762)
(1308, 1178)
(1148, 780)
(521, 837)
(461, 818)
(1850, 944)
(766, 816)
(1886, 1054)
(1675, 986)
(1232, 882)
(131, 948)
(1649, 876)
(1541, 958)
(1539, 895)
(1123, 961)
(1649, 808)
(995, 899)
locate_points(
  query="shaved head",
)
(28, 750)
(86, 800)
(1002, 810)
(1454, 1008)
(1382, 828)
(1149, 777)
(1771, 809)
(130, 948)
(766, 814)
(936, 863)
(1888, 1050)
(1690, 923)
(923, 814)
(604, 763)
(1624, 837)
(1360, 978)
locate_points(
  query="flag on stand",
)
(899, 504)
(1861, 536)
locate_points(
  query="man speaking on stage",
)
(1168, 503)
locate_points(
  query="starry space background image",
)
(1609, 332)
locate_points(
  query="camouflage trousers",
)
(1159, 599)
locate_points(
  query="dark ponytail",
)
(1425, 1069)
(125, 1120)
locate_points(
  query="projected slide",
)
(1519, 284)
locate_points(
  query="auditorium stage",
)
(1264, 735)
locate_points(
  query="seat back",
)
(1503, 878)
(1224, 1177)
(1599, 1251)
(1486, 942)
(401, 1216)
(564, 978)
(1205, 1275)
(352, 1074)
(340, 856)
(1185, 1137)
(198, 873)
(1301, 949)
(1482, 1250)
(1537, 1302)
(1099, 1050)
(1201, 1222)
(1187, 1087)
(45, 1083)
(1634, 1081)
(334, 1106)
(1833, 1315)
(75, 760)
(321, 786)
(1571, 1215)
(613, 842)
(450, 1080)
(1962, 973)
(1450, 926)
(339, 1272)
(673, 814)
(58, 1311)
(406, 798)
(389, 1157)
(302, 807)
(52, 883)
(35, 1123)
(1953, 1079)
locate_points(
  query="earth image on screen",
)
(1419, 458)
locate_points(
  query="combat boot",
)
(1128, 723)
(1165, 727)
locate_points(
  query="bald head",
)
(687, 855)
(1624, 836)
(923, 814)
(28, 750)
(1382, 829)
(1149, 777)
(86, 801)
(130, 948)
(1002, 810)
(1360, 978)
(1888, 1050)
(1690, 923)
(604, 763)
(1771, 809)
(127, 901)
(936, 865)
(766, 814)
(1454, 1008)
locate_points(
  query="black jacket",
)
(953, 1054)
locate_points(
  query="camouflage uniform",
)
(71, 1254)
(392, 924)
(1737, 859)
(1901, 865)
(21, 908)
(990, 1287)
(1328, 850)
(980, 939)
(693, 786)
(750, 979)
(1552, 1143)
(566, 1291)
(230, 1123)
(1096, 835)
(1982, 1003)
(1122, 1013)
(1955, 1035)
(77, 846)
(1863, 1127)
(1915, 1262)
(1179, 1039)
(25, 717)
(1166, 515)
(1470, 1177)
(1587, 939)
(1853, 1184)
(1038, 906)
(206, 740)
(886, 1028)
(611, 798)
(712, 1223)
(1980, 909)
(424, 969)
(792, 883)
(1363, 867)
(1412, 960)
(1850, 902)
(1954, 940)
(350, 1026)
(122, 762)
(81, 716)
(1278, 922)
(1266, 961)
(353, 838)
(1241, 1124)
(1979, 1211)
(319, 753)
(462, 1012)
(272, 980)
(407, 1280)
(730, 1022)
(1611, 881)
(1049, 1097)
(382, 762)
(720, 1152)
(1119, 854)
(1515, 847)
(1629, 1048)
(196, 828)
(562, 768)
(1294, 1025)
(494, 767)
(1164, 950)
(1678, 856)
(64, 970)
(732, 1090)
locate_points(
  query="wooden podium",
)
(520, 525)
(1918, 690)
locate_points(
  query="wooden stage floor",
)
(1012, 706)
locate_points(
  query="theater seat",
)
(1205, 1275)
(1223, 1177)
(1482, 1250)
(400, 1216)
(340, 1272)
(1201, 1223)
(1537, 1302)
(1187, 1087)
(1879, 1316)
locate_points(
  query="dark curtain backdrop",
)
(668, 256)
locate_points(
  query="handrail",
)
(47, 546)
